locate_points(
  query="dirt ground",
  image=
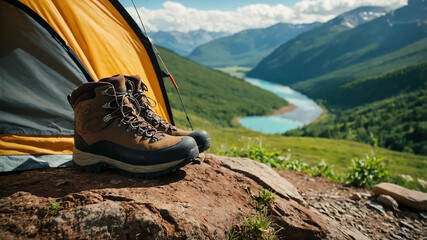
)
(370, 218)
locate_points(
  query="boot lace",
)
(127, 115)
(147, 104)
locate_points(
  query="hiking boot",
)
(109, 131)
(138, 88)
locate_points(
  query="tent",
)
(48, 48)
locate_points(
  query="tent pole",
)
(164, 65)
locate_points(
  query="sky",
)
(236, 15)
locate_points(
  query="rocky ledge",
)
(204, 200)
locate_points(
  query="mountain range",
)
(248, 47)
(184, 43)
(318, 62)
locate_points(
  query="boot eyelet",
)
(127, 129)
(135, 135)
(106, 105)
(119, 124)
(107, 118)
(104, 92)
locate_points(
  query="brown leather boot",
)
(202, 137)
(109, 131)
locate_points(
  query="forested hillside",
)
(371, 89)
(397, 123)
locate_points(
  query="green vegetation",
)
(363, 172)
(248, 47)
(54, 206)
(259, 225)
(371, 89)
(398, 123)
(366, 172)
(213, 95)
(265, 197)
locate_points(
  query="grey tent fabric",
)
(36, 75)
(25, 162)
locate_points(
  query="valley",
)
(367, 74)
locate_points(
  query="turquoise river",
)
(306, 110)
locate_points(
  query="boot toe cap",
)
(202, 138)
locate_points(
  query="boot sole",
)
(92, 163)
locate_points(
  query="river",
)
(306, 110)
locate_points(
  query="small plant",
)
(322, 169)
(258, 226)
(233, 235)
(272, 159)
(296, 165)
(54, 208)
(367, 171)
(265, 198)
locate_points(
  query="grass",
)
(258, 225)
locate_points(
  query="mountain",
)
(213, 95)
(248, 47)
(358, 16)
(184, 43)
(331, 47)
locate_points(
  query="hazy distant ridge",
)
(248, 47)
(184, 43)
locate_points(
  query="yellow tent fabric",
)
(12, 144)
(102, 39)
(105, 43)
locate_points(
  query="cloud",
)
(174, 16)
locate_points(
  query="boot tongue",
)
(118, 81)
(136, 81)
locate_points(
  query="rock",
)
(388, 201)
(356, 196)
(101, 220)
(61, 182)
(405, 224)
(422, 182)
(264, 175)
(376, 206)
(297, 221)
(406, 177)
(410, 198)
(338, 231)
(395, 236)
(200, 201)
(115, 181)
